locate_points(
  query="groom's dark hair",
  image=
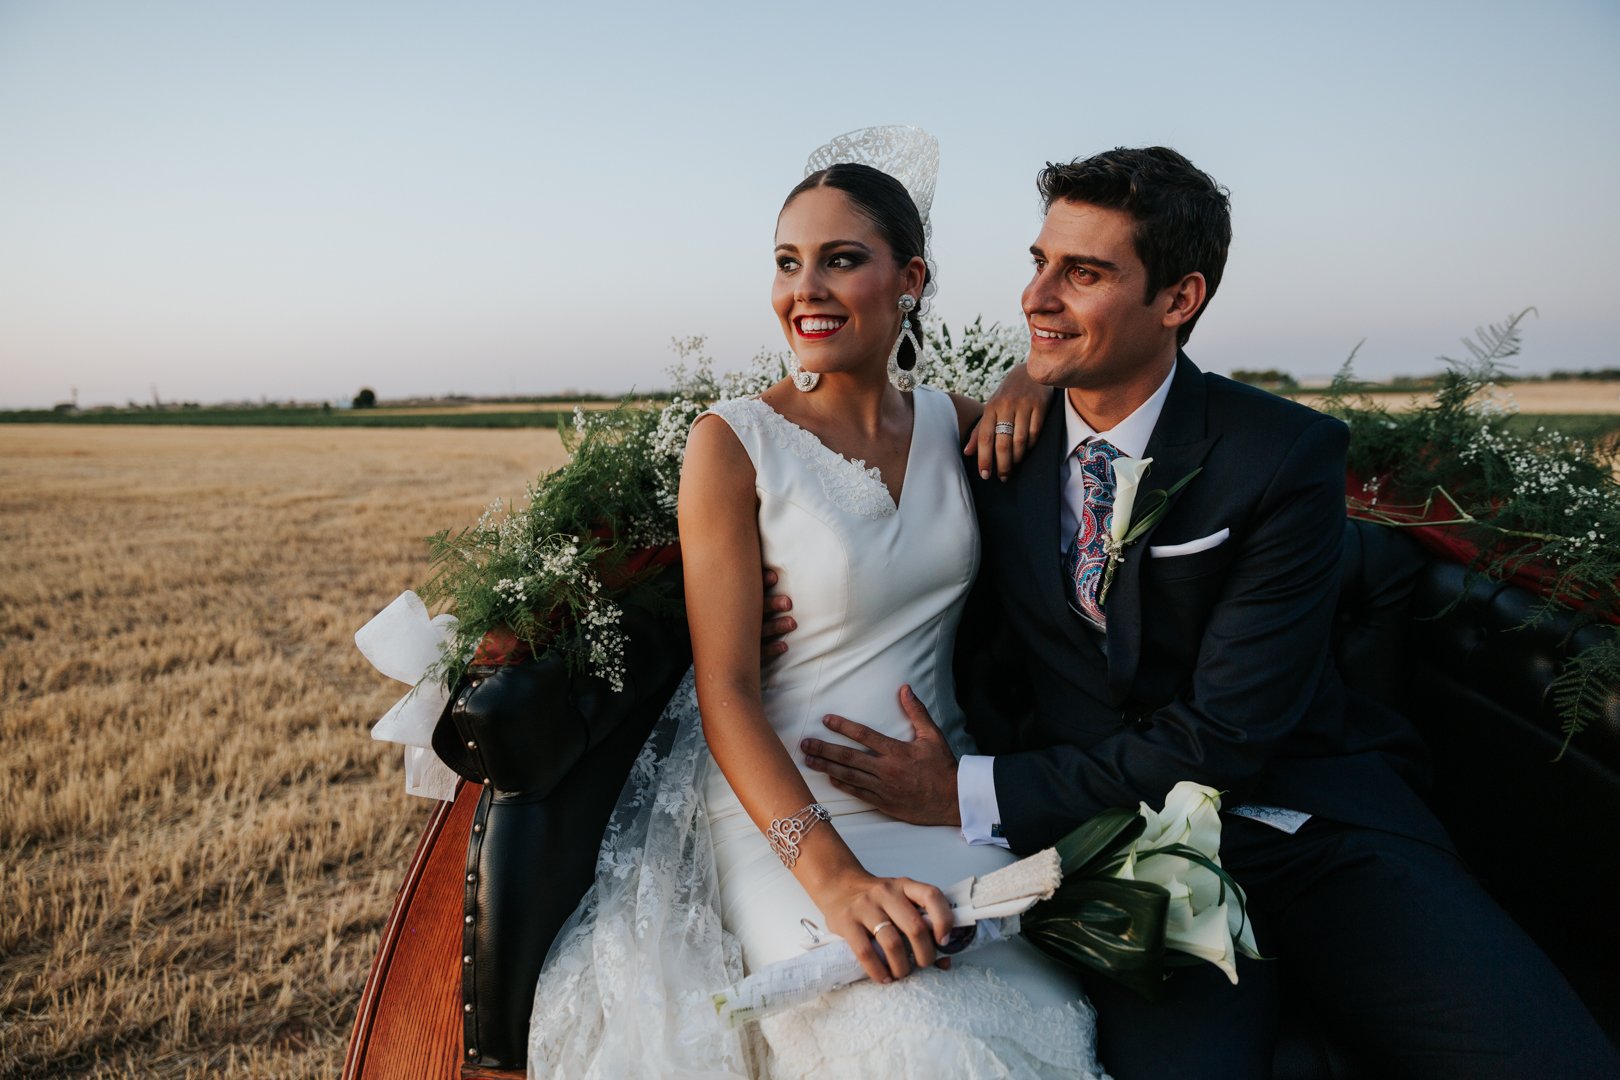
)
(1183, 219)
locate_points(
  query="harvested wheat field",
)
(1561, 396)
(199, 841)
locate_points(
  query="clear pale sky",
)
(295, 199)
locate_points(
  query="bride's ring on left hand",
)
(1005, 427)
(880, 926)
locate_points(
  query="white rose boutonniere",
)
(1127, 526)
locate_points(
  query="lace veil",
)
(626, 989)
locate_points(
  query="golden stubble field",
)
(1565, 396)
(199, 841)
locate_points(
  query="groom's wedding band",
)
(1004, 428)
(880, 926)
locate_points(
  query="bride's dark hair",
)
(887, 204)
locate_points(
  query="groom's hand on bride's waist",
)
(776, 622)
(914, 781)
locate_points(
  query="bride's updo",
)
(886, 203)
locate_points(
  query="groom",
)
(1207, 658)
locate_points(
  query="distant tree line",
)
(1281, 382)
(1608, 374)
(1278, 382)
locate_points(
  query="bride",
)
(844, 480)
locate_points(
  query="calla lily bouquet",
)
(1127, 894)
(1145, 890)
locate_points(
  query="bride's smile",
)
(818, 327)
(837, 280)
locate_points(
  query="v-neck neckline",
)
(871, 472)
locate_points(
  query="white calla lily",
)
(1207, 937)
(1204, 918)
(1124, 528)
(1194, 810)
(1128, 473)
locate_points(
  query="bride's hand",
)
(1019, 401)
(880, 918)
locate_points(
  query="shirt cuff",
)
(976, 799)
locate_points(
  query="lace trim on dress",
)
(848, 483)
(967, 1023)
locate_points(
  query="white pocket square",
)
(1203, 543)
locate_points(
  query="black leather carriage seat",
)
(1471, 662)
(1448, 649)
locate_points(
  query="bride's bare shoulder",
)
(717, 466)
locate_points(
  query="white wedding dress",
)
(688, 894)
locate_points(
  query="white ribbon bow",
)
(402, 643)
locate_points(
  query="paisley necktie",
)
(1087, 556)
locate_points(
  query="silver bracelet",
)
(786, 832)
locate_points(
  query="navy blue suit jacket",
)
(1216, 665)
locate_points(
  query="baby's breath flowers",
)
(974, 361)
(1527, 498)
(551, 569)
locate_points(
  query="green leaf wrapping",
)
(1112, 926)
(1097, 921)
(1100, 841)
(1107, 925)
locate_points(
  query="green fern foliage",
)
(1582, 690)
(1527, 498)
(551, 568)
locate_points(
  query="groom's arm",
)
(1262, 657)
(993, 690)
(920, 781)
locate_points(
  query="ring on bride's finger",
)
(880, 926)
(1004, 428)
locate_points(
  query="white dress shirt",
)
(975, 775)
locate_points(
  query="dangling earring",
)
(899, 376)
(803, 381)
